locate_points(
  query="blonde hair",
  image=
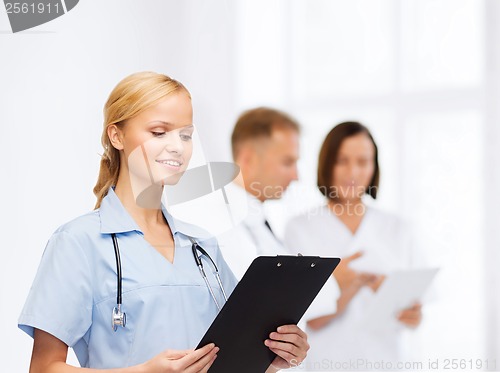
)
(133, 95)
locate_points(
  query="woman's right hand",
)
(347, 277)
(351, 281)
(49, 356)
(188, 361)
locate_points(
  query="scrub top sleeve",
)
(60, 299)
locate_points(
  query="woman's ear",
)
(115, 136)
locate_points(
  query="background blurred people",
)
(372, 243)
(265, 145)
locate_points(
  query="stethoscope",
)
(119, 318)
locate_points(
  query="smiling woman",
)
(140, 124)
(156, 145)
(80, 295)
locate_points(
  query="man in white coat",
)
(265, 145)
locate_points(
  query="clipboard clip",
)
(312, 264)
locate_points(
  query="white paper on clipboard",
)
(399, 290)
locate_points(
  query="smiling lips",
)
(170, 162)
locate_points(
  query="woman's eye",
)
(158, 134)
(185, 137)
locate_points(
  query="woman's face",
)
(157, 143)
(354, 167)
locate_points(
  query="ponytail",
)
(108, 176)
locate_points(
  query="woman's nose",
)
(173, 143)
(353, 171)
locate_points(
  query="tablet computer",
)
(400, 290)
(275, 291)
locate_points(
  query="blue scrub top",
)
(168, 305)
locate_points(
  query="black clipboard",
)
(274, 291)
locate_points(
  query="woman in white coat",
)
(371, 243)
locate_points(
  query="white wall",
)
(491, 176)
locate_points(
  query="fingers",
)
(196, 360)
(365, 278)
(203, 364)
(293, 347)
(187, 361)
(176, 354)
(292, 329)
(417, 306)
(288, 338)
(411, 316)
(209, 364)
(410, 322)
(354, 256)
(375, 281)
(289, 343)
(286, 359)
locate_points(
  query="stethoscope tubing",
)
(118, 270)
(119, 317)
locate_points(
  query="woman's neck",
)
(346, 207)
(143, 204)
(349, 212)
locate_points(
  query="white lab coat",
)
(251, 238)
(386, 243)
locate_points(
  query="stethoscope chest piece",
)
(119, 318)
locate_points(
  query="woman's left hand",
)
(412, 316)
(289, 342)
